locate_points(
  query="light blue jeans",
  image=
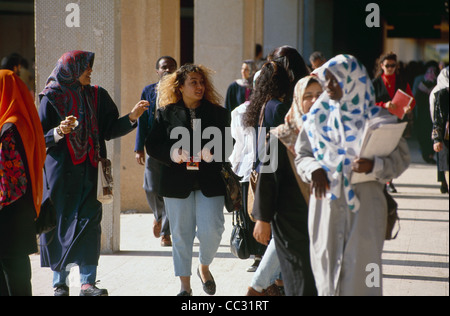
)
(194, 216)
(88, 275)
(268, 270)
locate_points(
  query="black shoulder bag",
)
(238, 242)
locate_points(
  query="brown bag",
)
(251, 193)
(233, 196)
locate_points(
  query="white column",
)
(219, 39)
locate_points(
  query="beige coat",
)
(346, 246)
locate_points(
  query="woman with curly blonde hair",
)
(169, 88)
(190, 181)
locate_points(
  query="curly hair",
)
(388, 56)
(272, 83)
(169, 87)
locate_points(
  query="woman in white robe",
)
(347, 222)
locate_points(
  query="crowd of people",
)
(311, 228)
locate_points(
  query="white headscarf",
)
(296, 112)
(288, 132)
(335, 128)
(442, 83)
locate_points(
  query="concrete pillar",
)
(253, 26)
(304, 24)
(225, 34)
(150, 29)
(219, 39)
(280, 24)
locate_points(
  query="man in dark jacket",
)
(165, 65)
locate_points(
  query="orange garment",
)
(17, 107)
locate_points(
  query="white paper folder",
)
(379, 141)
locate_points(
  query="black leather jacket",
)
(176, 180)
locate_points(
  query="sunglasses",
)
(390, 65)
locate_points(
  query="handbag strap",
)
(99, 148)
(260, 126)
(237, 220)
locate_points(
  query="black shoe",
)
(391, 188)
(254, 266)
(209, 286)
(185, 293)
(444, 188)
(93, 291)
(62, 290)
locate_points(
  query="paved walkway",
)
(415, 264)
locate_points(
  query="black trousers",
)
(296, 269)
(15, 276)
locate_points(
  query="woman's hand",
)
(138, 110)
(140, 157)
(180, 156)
(390, 106)
(262, 232)
(438, 147)
(362, 165)
(319, 183)
(68, 125)
(206, 155)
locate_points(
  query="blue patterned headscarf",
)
(335, 128)
(69, 97)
